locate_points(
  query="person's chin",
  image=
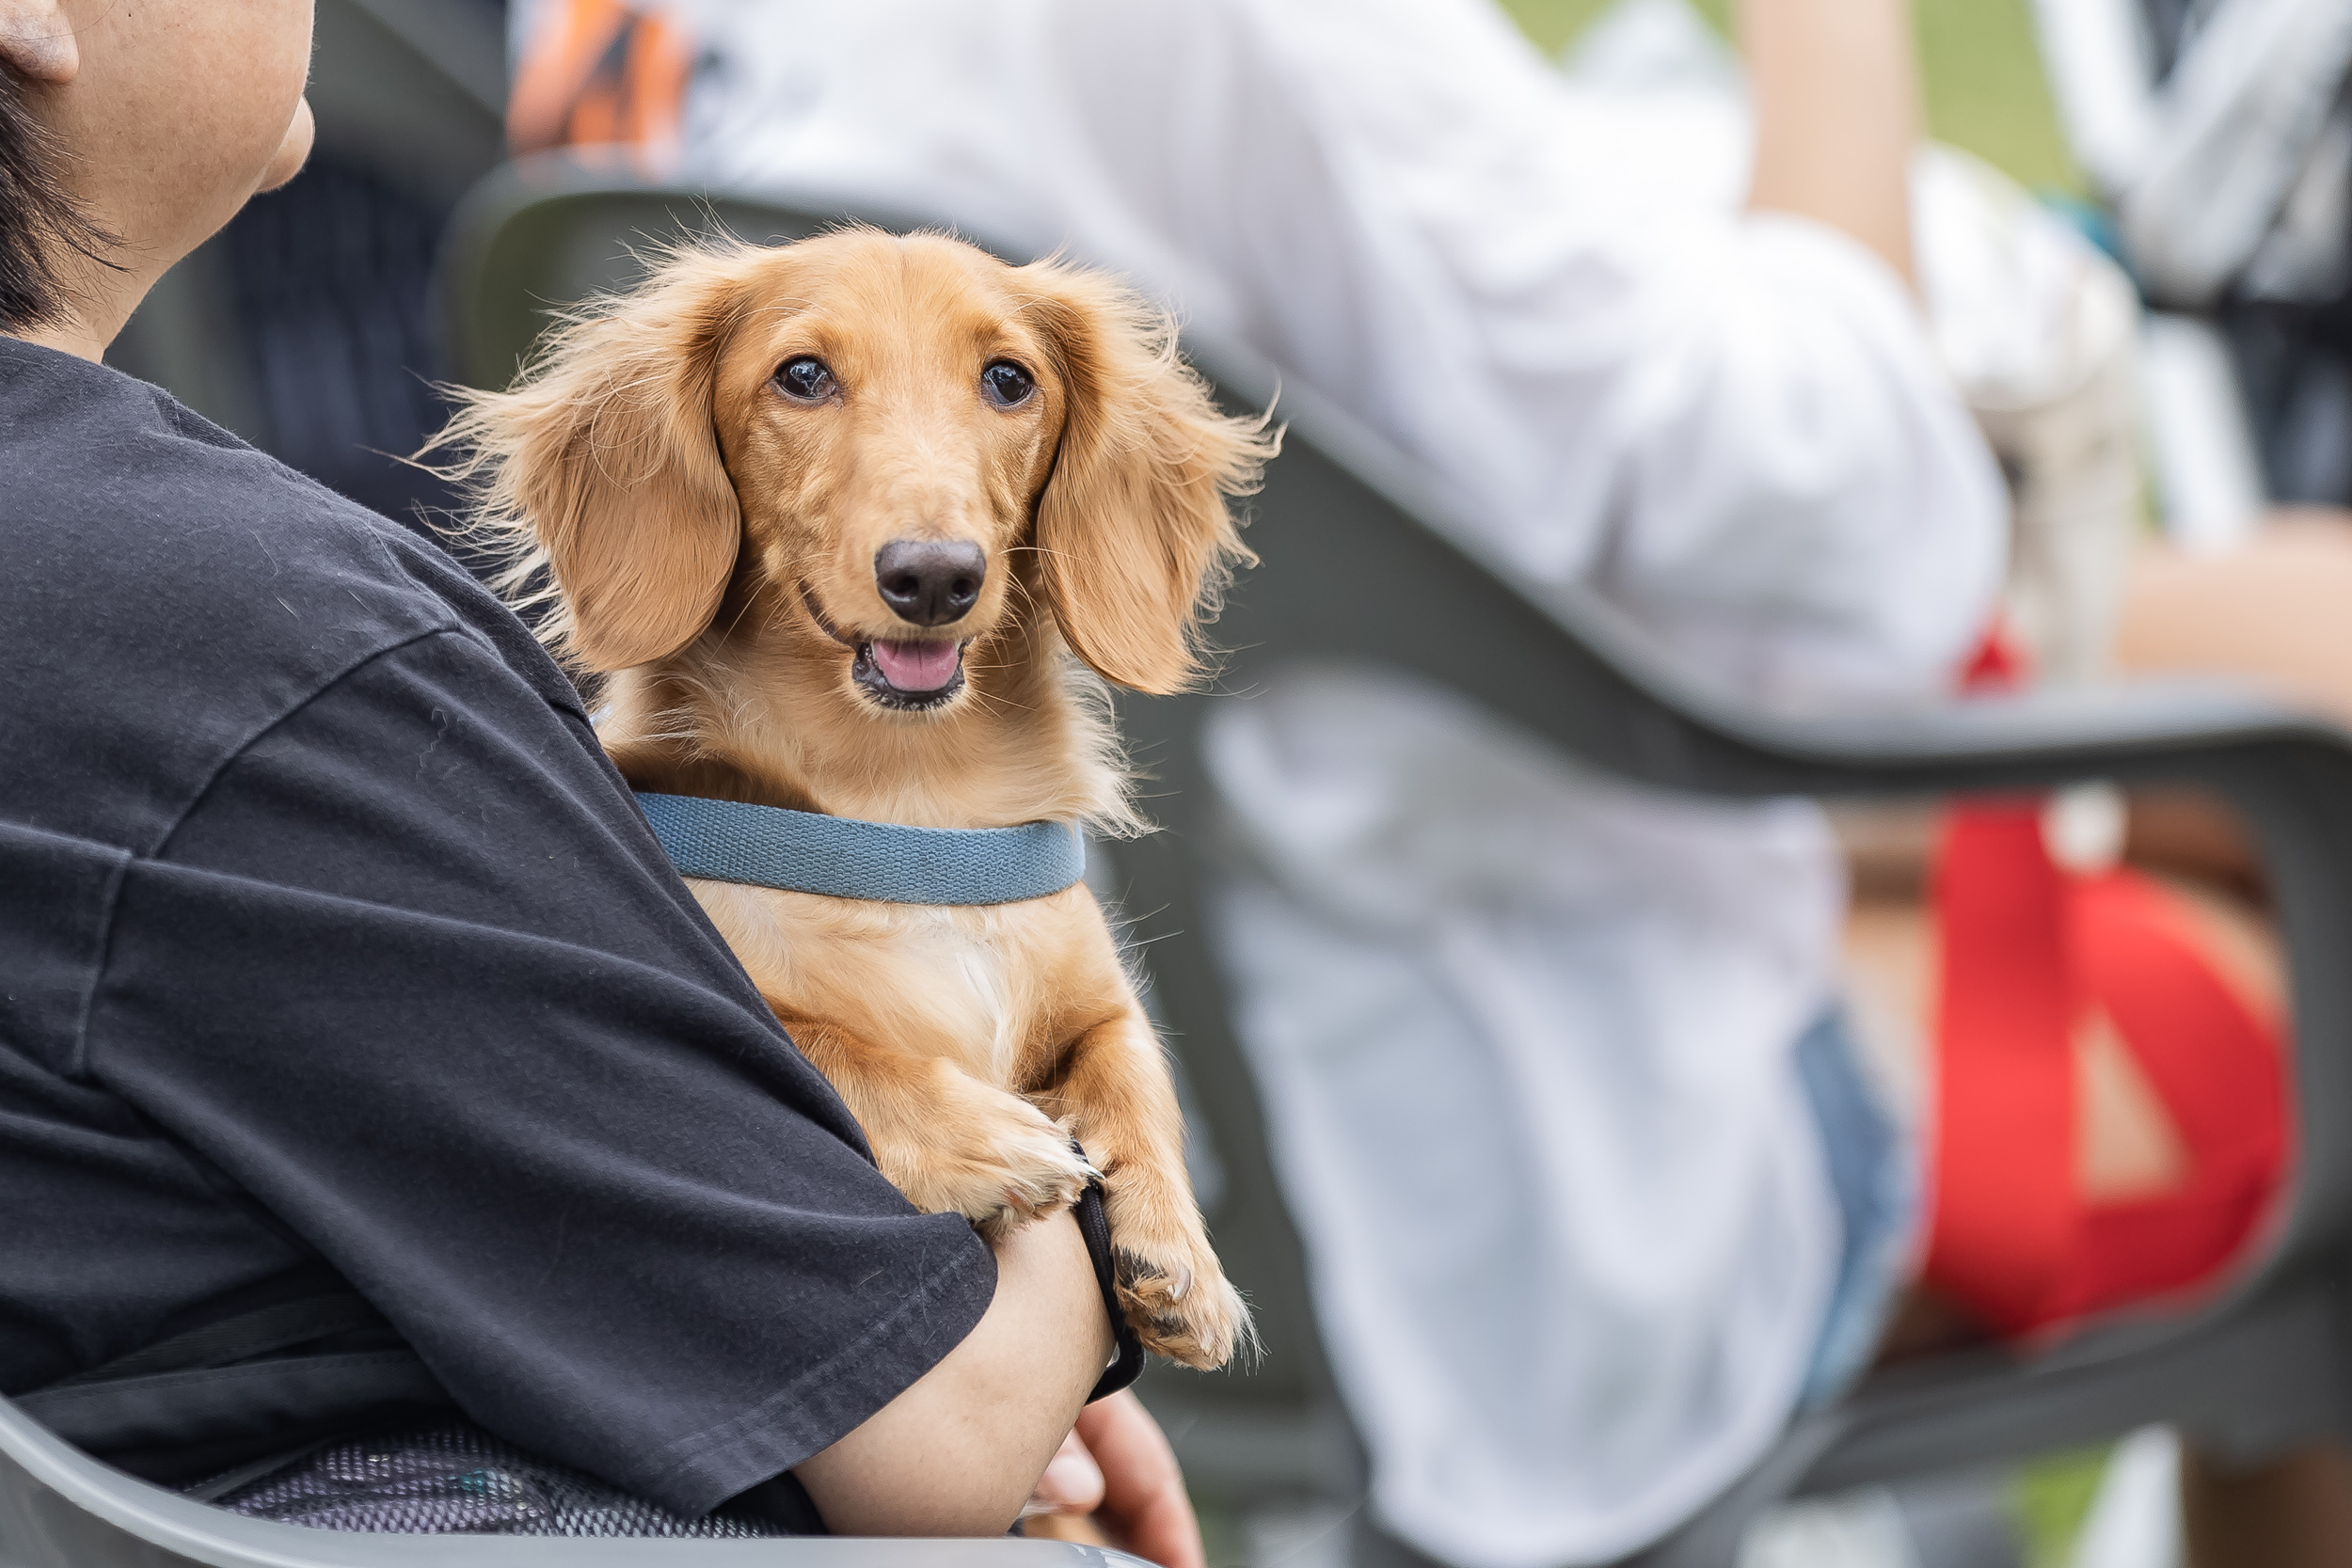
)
(294, 151)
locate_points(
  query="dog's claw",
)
(1186, 1312)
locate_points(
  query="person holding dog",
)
(354, 1011)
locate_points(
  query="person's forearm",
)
(1837, 92)
(957, 1453)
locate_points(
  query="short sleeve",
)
(415, 975)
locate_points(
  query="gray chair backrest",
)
(1353, 549)
(1363, 560)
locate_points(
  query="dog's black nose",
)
(929, 581)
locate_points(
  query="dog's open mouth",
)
(911, 675)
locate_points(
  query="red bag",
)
(2029, 951)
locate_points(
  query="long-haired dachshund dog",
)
(831, 519)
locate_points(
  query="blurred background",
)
(307, 326)
(310, 327)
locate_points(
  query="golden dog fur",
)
(712, 539)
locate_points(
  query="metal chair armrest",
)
(62, 1508)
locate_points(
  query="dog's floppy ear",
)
(1133, 537)
(602, 466)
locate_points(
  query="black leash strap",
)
(239, 1338)
(1095, 1225)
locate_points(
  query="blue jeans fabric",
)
(1873, 1170)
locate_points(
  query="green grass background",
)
(1982, 75)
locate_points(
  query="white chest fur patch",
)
(934, 980)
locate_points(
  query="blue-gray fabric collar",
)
(724, 841)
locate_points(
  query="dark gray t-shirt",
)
(331, 944)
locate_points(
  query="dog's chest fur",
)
(1000, 989)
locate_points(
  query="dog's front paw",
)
(990, 1156)
(1180, 1303)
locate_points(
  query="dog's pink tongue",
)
(917, 666)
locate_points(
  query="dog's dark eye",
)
(806, 379)
(1008, 385)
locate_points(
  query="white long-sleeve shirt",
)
(1525, 1036)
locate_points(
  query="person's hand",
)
(1118, 1468)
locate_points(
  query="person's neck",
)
(90, 319)
(69, 337)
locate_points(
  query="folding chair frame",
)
(1356, 548)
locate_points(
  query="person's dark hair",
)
(41, 225)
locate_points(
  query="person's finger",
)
(1144, 1502)
(1072, 1482)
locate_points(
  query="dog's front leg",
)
(1115, 1094)
(952, 1143)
